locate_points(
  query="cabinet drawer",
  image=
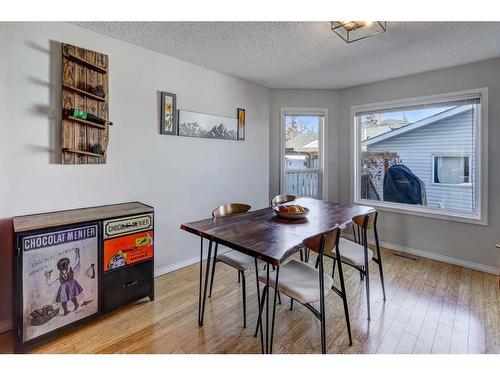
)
(128, 284)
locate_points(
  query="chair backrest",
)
(282, 198)
(331, 238)
(230, 209)
(364, 223)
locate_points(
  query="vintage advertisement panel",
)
(59, 278)
(131, 224)
(121, 251)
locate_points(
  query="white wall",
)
(465, 242)
(324, 99)
(183, 178)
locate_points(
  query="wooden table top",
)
(270, 238)
(53, 219)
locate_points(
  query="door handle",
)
(93, 270)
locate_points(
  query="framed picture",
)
(202, 125)
(241, 124)
(168, 114)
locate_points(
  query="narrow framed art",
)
(204, 125)
(168, 113)
(241, 124)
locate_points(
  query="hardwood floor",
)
(431, 307)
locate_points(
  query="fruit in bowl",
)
(294, 211)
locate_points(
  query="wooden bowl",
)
(291, 215)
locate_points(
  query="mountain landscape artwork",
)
(202, 125)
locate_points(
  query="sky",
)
(414, 114)
(311, 122)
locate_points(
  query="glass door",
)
(302, 159)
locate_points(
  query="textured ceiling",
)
(308, 54)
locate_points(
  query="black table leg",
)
(201, 277)
(259, 319)
(201, 307)
(276, 293)
(267, 309)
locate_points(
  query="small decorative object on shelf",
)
(97, 91)
(97, 149)
(82, 115)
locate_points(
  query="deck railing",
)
(303, 183)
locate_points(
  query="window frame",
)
(465, 185)
(323, 134)
(480, 216)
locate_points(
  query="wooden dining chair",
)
(357, 254)
(233, 258)
(306, 284)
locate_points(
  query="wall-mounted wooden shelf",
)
(80, 152)
(87, 63)
(85, 93)
(85, 122)
(81, 69)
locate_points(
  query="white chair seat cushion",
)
(352, 253)
(237, 260)
(299, 281)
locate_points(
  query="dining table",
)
(269, 238)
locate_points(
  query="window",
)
(451, 170)
(423, 156)
(302, 152)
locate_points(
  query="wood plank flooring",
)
(431, 307)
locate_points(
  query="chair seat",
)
(299, 281)
(237, 260)
(352, 253)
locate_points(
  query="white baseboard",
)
(5, 325)
(441, 258)
(176, 266)
(188, 262)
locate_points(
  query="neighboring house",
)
(302, 151)
(438, 150)
(383, 126)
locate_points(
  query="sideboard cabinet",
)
(71, 266)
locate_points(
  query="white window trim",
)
(323, 134)
(481, 159)
(465, 185)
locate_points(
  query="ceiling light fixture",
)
(352, 31)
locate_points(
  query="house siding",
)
(449, 136)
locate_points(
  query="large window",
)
(302, 153)
(423, 155)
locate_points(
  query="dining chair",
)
(302, 282)
(358, 255)
(285, 198)
(241, 262)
